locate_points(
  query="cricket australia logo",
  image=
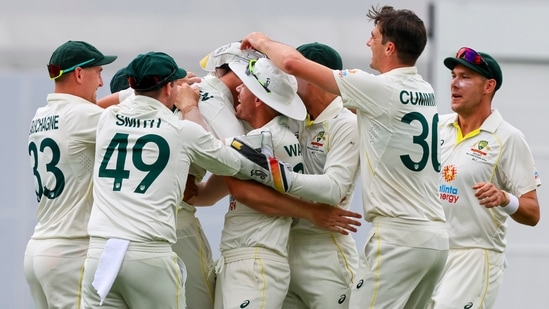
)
(481, 148)
(318, 140)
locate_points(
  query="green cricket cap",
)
(153, 70)
(323, 54)
(493, 71)
(78, 53)
(119, 81)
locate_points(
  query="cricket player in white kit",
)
(397, 116)
(488, 175)
(61, 149)
(323, 264)
(192, 246)
(142, 159)
(216, 107)
(217, 94)
(253, 270)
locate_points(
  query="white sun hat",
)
(228, 53)
(272, 86)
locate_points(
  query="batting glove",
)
(263, 168)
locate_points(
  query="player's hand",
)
(261, 167)
(191, 190)
(253, 40)
(187, 97)
(489, 195)
(334, 219)
(191, 79)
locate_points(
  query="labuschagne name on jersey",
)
(125, 121)
(44, 124)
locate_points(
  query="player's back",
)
(61, 149)
(140, 171)
(398, 120)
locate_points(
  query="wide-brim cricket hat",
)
(272, 86)
(153, 70)
(79, 53)
(227, 54)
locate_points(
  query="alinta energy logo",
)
(447, 192)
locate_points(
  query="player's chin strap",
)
(261, 167)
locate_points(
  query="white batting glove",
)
(263, 168)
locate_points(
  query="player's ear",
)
(490, 86)
(390, 48)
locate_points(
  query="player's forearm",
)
(265, 199)
(210, 191)
(318, 188)
(111, 99)
(528, 212)
(193, 114)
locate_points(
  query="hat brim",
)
(295, 110)
(180, 73)
(104, 61)
(451, 63)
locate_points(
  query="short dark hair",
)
(402, 27)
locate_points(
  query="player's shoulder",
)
(446, 119)
(509, 132)
(346, 116)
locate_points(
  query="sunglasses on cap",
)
(56, 71)
(250, 71)
(471, 56)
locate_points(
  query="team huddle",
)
(286, 133)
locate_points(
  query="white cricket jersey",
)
(61, 149)
(330, 148)
(398, 124)
(496, 153)
(142, 159)
(217, 109)
(246, 227)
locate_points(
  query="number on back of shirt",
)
(47, 151)
(118, 150)
(421, 140)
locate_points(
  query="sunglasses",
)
(56, 71)
(471, 56)
(250, 71)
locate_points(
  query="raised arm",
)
(289, 60)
